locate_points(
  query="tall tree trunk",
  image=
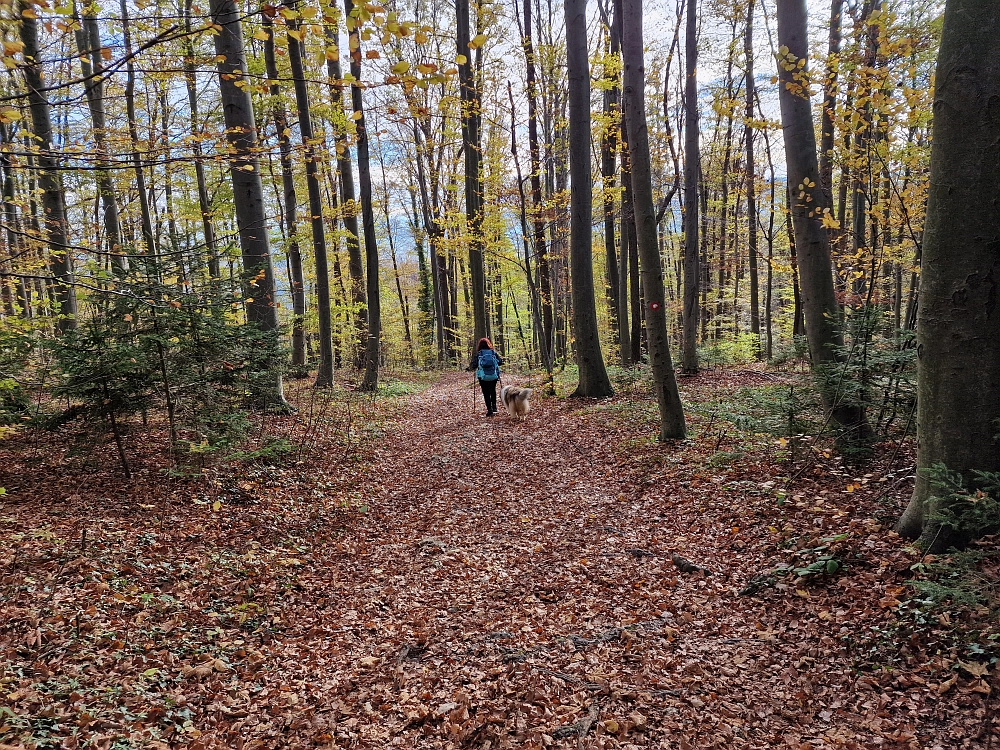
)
(612, 115)
(471, 147)
(348, 201)
(827, 130)
(667, 397)
(373, 346)
(751, 178)
(53, 195)
(148, 237)
(283, 130)
(594, 381)
(204, 203)
(812, 243)
(958, 352)
(248, 191)
(541, 252)
(692, 169)
(630, 250)
(88, 40)
(296, 47)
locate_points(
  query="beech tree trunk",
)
(49, 182)
(374, 340)
(594, 381)
(751, 178)
(546, 341)
(248, 192)
(349, 204)
(812, 243)
(88, 40)
(324, 374)
(204, 203)
(692, 169)
(958, 351)
(473, 179)
(655, 309)
(284, 132)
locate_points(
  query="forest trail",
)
(512, 586)
(462, 582)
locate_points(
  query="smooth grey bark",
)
(958, 351)
(283, 131)
(374, 339)
(594, 381)
(612, 114)
(324, 374)
(546, 339)
(204, 202)
(248, 191)
(88, 42)
(668, 399)
(471, 148)
(692, 170)
(53, 196)
(148, 237)
(827, 130)
(748, 138)
(349, 203)
(812, 243)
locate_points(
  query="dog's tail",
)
(522, 396)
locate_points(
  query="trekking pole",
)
(473, 393)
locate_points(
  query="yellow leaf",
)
(427, 68)
(803, 593)
(461, 60)
(9, 115)
(400, 68)
(29, 13)
(477, 41)
(12, 47)
(421, 38)
(216, 505)
(288, 14)
(261, 35)
(297, 35)
(356, 115)
(308, 12)
(332, 53)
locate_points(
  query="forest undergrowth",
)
(400, 571)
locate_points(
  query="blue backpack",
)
(489, 365)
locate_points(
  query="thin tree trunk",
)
(149, 239)
(541, 252)
(373, 347)
(612, 115)
(324, 374)
(53, 195)
(204, 203)
(751, 178)
(471, 147)
(692, 168)
(283, 130)
(668, 399)
(348, 202)
(88, 39)
(827, 130)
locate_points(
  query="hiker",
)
(488, 373)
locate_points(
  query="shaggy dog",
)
(515, 400)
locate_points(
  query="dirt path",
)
(510, 585)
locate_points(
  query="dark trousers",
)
(489, 395)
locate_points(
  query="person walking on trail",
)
(488, 373)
